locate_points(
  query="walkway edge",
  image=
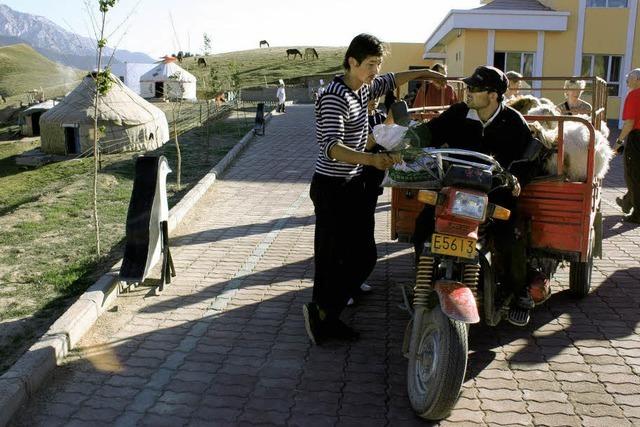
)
(25, 377)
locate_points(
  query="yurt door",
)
(35, 123)
(159, 89)
(72, 140)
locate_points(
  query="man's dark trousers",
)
(632, 170)
(343, 257)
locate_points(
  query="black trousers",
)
(631, 168)
(344, 247)
(509, 238)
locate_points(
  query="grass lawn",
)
(46, 233)
(47, 254)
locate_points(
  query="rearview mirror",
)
(400, 113)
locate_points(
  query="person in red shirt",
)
(435, 93)
(629, 143)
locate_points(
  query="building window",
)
(522, 62)
(606, 3)
(605, 66)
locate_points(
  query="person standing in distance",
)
(282, 97)
(338, 192)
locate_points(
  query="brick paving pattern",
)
(225, 344)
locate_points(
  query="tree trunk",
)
(96, 148)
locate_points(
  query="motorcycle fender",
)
(457, 301)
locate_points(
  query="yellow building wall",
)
(457, 54)
(605, 30)
(475, 51)
(559, 50)
(403, 55)
(516, 41)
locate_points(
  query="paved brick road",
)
(225, 345)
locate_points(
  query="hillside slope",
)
(258, 67)
(23, 69)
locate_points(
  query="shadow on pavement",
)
(251, 362)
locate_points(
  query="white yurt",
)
(168, 80)
(130, 123)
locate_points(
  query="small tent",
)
(30, 118)
(168, 80)
(130, 123)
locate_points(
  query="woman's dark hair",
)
(361, 46)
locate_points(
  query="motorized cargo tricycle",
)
(456, 283)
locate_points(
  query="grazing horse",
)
(202, 62)
(294, 52)
(310, 52)
(263, 42)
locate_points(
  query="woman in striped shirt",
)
(338, 189)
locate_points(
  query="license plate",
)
(453, 245)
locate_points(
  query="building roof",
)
(514, 5)
(43, 106)
(510, 15)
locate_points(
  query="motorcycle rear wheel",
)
(437, 365)
(580, 278)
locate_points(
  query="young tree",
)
(103, 84)
(176, 107)
(206, 44)
(215, 87)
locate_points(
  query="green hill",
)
(258, 67)
(23, 69)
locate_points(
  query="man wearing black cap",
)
(485, 124)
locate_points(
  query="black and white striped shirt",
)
(341, 117)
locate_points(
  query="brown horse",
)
(264, 42)
(201, 61)
(294, 52)
(310, 53)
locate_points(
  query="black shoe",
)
(624, 204)
(312, 322)
(633, 218)
(518, 316)
(337, 329)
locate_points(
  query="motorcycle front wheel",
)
(437, 364)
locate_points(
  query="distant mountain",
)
(55, 42)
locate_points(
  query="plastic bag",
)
(416, 171)
(391, 137)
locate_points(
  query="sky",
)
(148, 25)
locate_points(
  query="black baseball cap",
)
(488, 77)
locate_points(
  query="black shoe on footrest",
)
(519, 316)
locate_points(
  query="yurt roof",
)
(43, 106)
(163, 71)
(119, 105)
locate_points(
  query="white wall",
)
(131, 72)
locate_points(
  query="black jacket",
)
(506, 138)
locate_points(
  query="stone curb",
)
(24, 378)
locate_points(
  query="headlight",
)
(469, 205)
